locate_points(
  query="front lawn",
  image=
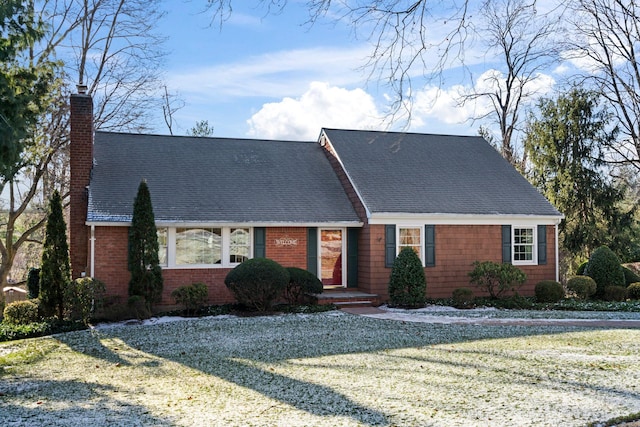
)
(321, 369)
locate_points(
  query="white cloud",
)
(320, 106)
(274, 74)
(449, 106)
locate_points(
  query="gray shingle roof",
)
(215, 180)
(434, 174)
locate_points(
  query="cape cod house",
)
(342, 207)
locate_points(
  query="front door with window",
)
(331, 257)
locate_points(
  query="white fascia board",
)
(324, 139)
(186, 224)
(462, 219)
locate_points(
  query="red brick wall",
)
(457, 247)
(111, 264)
(287, 255)
(81, 152)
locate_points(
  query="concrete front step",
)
(348, 298)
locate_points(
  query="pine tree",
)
(56, 272)
(566, 149)
(146, 274)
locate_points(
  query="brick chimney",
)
(81, 162)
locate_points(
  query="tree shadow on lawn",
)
(88, 342)
(539, 380)
(234, 350)
(37, 402)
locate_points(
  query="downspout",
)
(93, 247)
(557, 254)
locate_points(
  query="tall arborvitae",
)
(55, 273)
(146, 274)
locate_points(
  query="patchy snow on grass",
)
(324, 369)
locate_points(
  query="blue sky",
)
(271, 76)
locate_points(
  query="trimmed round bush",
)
(630, 276)
(301, 283)
(407, 285)
(21, 312)
(192, 297)
(257, 283)
(582, 286)
(549, 291)
(82, 297)
(633, 291)
(463, 297)
(615, 293)
(604, 267)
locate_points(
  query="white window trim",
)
(226, 249)
(422, 237)
(534, 255)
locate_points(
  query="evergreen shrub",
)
(301, 283)
(83, 297)
(630, 276)
(33, 283)
(463, 297)
(55, 273)
(496, 278)
(21, 312)
(407, 285)
(604, 267)
(257, 283)
(138, 308)
(582, 286)
(549, 291)
(193, 297)
(633, 291)
(615, 293)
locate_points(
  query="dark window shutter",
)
(352, 257)
(312, 250)
(259, 242)
(542, 244)
(429, 245)
(506, 244)
(389, 245)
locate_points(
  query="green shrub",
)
(82, 297)
(10, 332)
(463, 297)
(604, 267)
(407, 285)
(257, 283)
(138, 307)
(549, 291)
(496, 279)
(582, 268)
(615, 293)
(33, 283)
(21, 312)
(193, 297)
(582, 286)
(633, 291)
(630, 276)
(301, 283)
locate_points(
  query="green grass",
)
(322, 369)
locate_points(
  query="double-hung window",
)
(162, 246)
(411, 236)
(524, 245)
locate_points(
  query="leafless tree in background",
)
(522, 38)
(607, 46)
(109, 46)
